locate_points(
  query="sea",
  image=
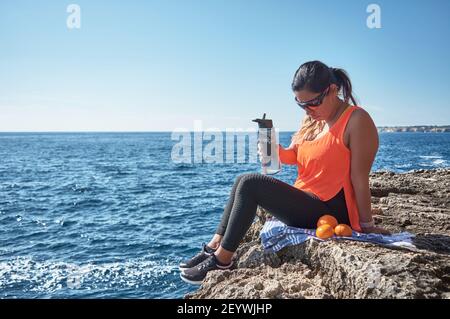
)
(111, 215)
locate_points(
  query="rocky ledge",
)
(417, 201)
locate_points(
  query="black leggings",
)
(288, 204)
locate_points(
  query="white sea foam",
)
(430, 156)
(48, 276)
(439, 162)
(432, 161)
(403, 165)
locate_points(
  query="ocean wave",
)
(435, 163)
(402, 165)
(29, 275)
(430, 156)
(439, 162)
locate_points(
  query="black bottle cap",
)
(264, 123)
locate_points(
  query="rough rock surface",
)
(417, 201)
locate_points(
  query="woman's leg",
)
(289, 204)
(338, 207)
(220, 231)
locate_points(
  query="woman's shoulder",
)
(360, 120)
(359, 115)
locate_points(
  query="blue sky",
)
(160, 65)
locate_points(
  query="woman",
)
(334, 150)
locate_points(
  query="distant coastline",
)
(423, 128)
(417, 128)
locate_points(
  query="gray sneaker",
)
(197, 259)
(195, 275)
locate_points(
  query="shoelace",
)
(202, 252)
(205, 249)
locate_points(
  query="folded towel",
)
(276, 235)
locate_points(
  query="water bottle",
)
(270, 161)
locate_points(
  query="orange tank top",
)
(324, 166)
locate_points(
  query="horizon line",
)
(282, 131)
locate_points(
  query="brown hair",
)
(315, 77)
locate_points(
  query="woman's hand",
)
(375, 230)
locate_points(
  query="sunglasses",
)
(315, 102)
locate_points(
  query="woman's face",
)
(326, 109)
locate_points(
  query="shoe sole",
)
(182, 269)
(190, 281)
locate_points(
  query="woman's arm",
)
(288, 155)
(363, 143)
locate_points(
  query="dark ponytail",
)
(342, 80)
(316, 76)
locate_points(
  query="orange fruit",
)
(343, 230)
(324, 231)
(327, 219)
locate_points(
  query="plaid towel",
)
(276, 235)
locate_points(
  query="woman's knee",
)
(247, 176)
(239, 178)
(248, 181)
